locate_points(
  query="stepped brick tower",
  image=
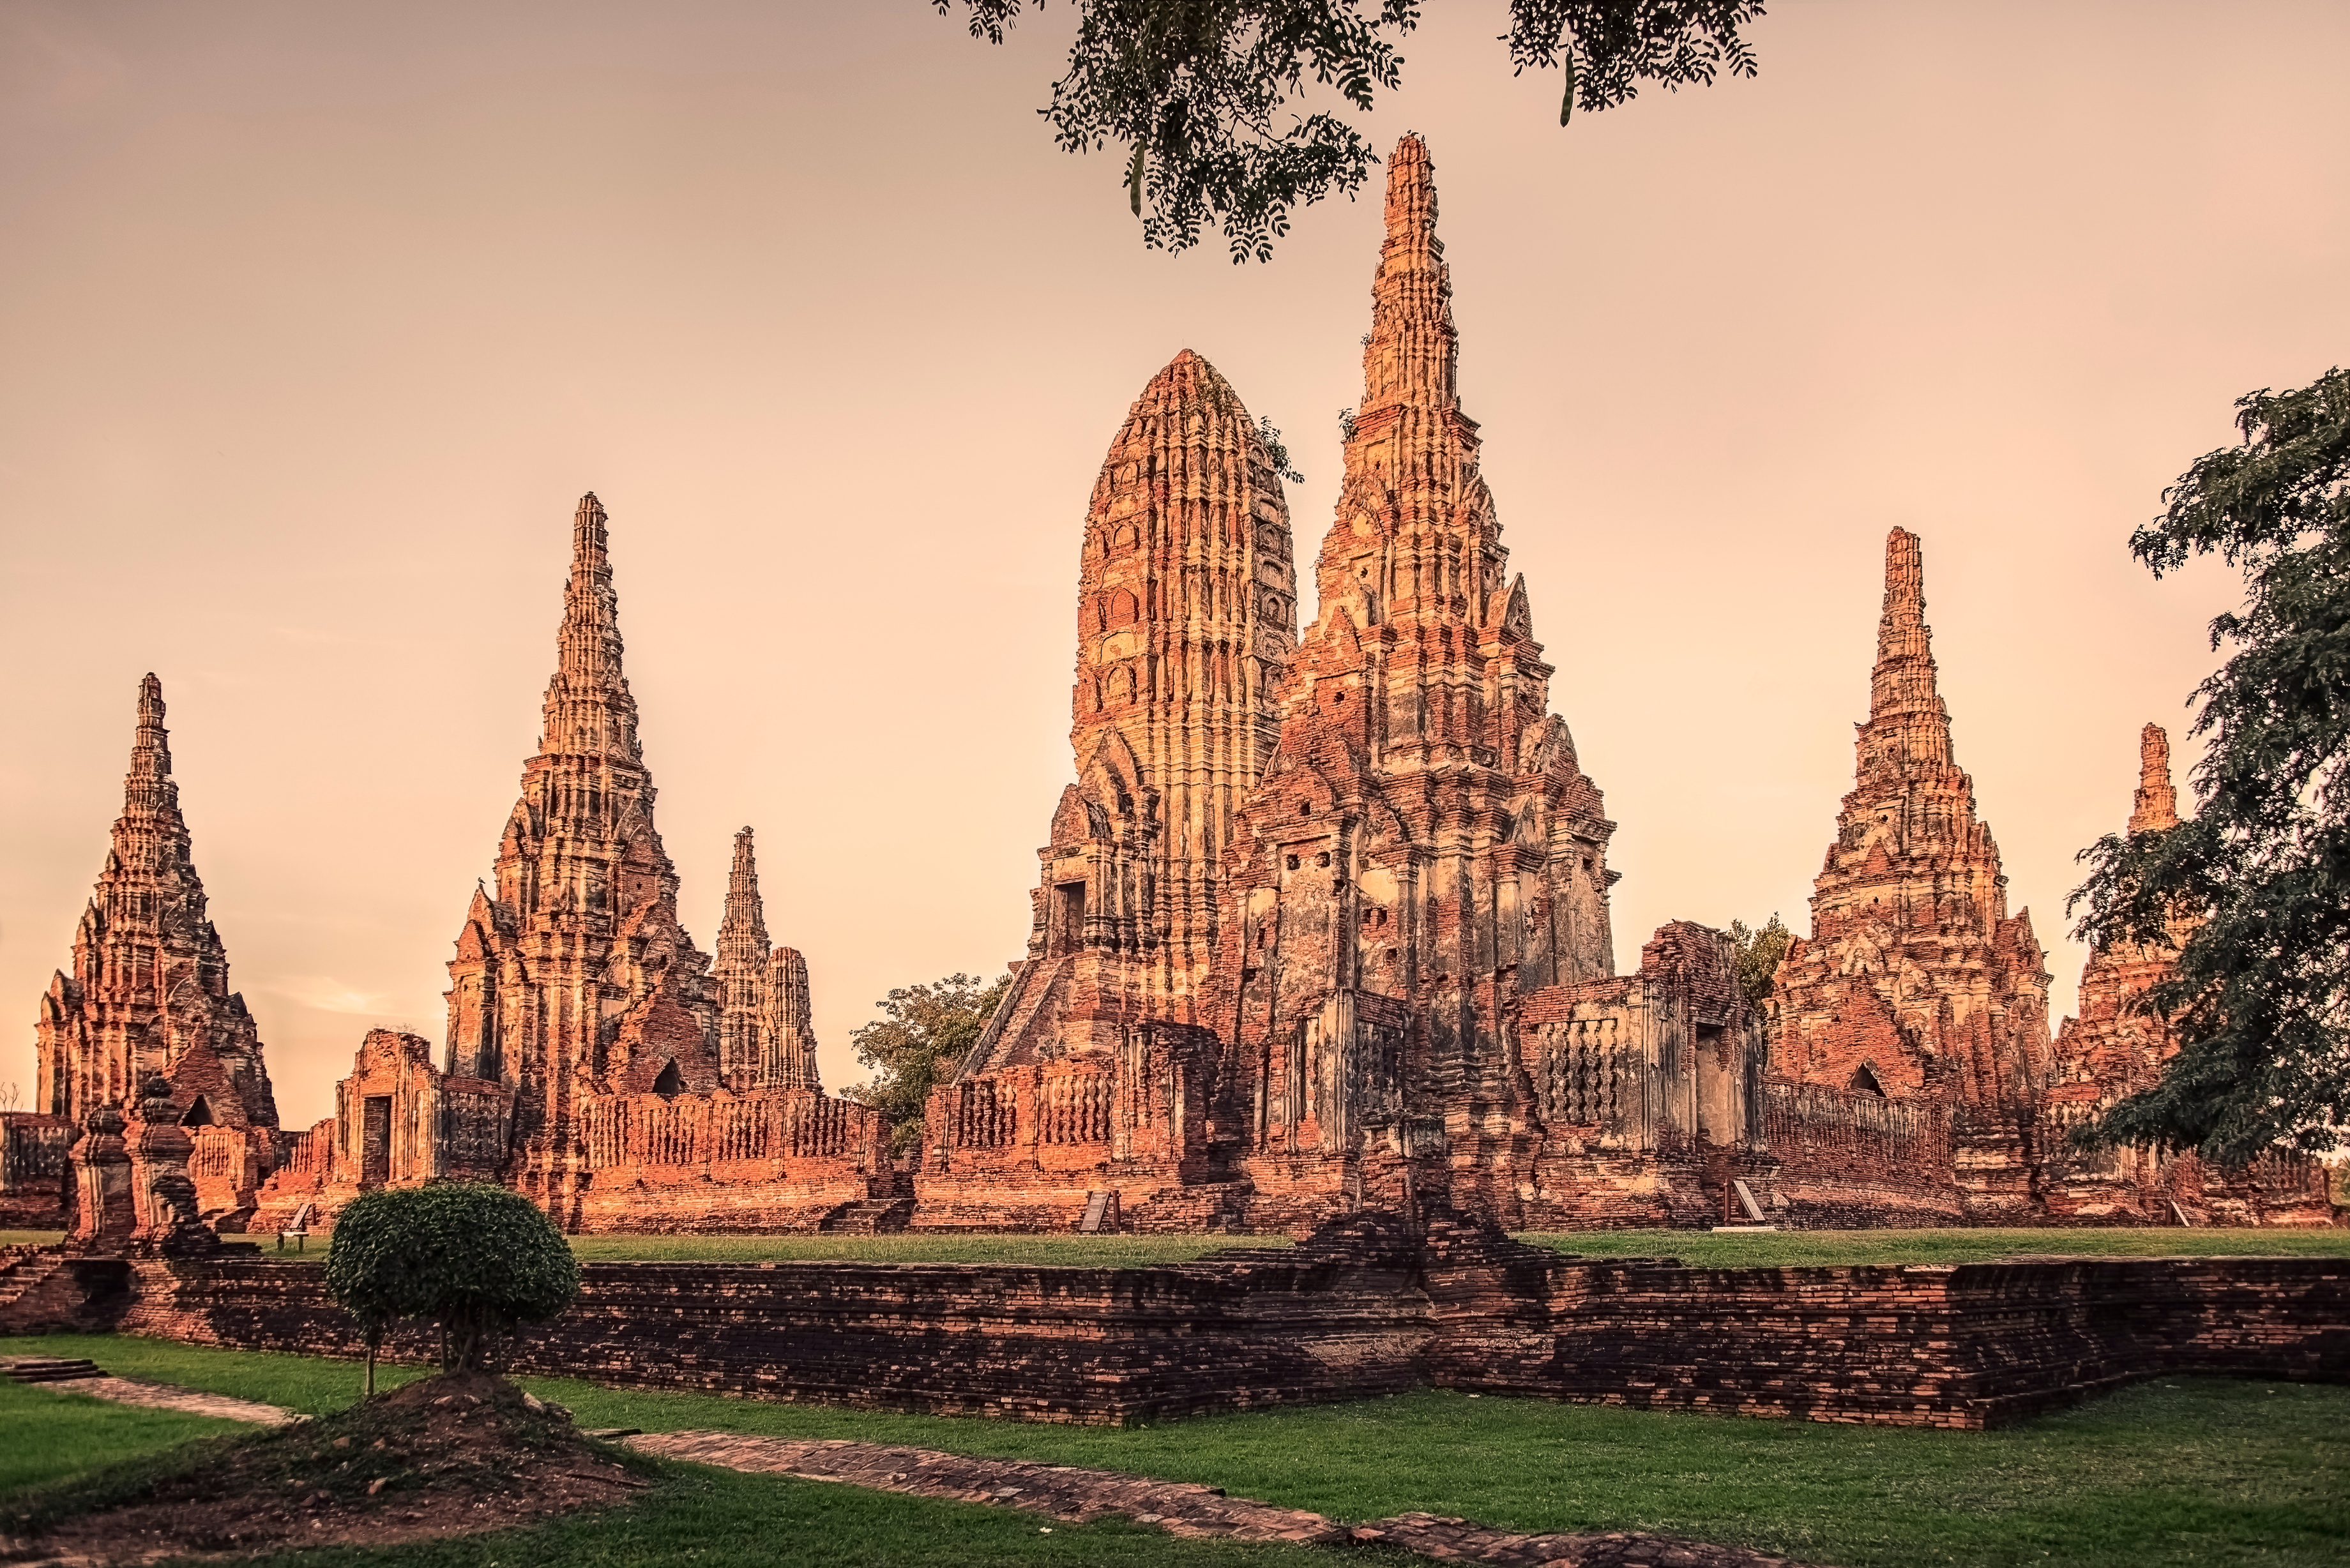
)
(148, 993)
(764, 1039)
(1916, 983)
(597, 1060)
(573, 976)
(1424, 849)
(1186, 614)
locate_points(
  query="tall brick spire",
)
(1908, 725)
(576, 979)
(740, 970)
(1916, 983)
(1413, 354)
(590, 711)
(2156, 805)
(148, 991)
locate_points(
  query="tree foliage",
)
(2261, 875)
(472, 1258)
(923, 1034)
(1759, 952)
(1192, 88)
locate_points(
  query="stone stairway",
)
(50, 1369)
(868, 1216)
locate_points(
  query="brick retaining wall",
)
(1365, 1308)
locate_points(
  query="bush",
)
(474, 1259)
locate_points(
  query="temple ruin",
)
(1322, 925)
(596, 1059)
(145, 1026)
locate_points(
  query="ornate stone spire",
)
(2156, 806)
(741, 971)
(148, 993)
(1413, 354)
(1186, 616)
(1915, 982)
(578, 971)
(1908, 726)
(589, 710)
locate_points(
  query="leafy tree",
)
(1191, 88)
(1759, 953)
(474, 1257)
(2260, 877)
(924, 1033)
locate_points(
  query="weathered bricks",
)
(1363, 1308)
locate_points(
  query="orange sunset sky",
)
(316, 317)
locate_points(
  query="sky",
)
(316, 317)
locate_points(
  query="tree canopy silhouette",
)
(1192, 89)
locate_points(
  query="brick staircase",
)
(868, 1216)
(51, 1369)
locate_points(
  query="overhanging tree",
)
(476, 1259)
(923, 1033)
(1192, 88)
(2261, 875)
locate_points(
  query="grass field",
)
(1763, 1249)
(2176, 1473)
(50, 1437)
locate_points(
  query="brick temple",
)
(596, 1059)
(1321, 926)
(148, 999)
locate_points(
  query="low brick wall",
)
(1970, 1346)
(1095, 1346)
(1365, 1308)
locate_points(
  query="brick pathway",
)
(166, 1396)
(1179, 1508)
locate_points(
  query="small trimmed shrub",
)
(474, 1259)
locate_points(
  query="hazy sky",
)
(316, 319)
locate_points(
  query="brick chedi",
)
(1916, 983)
(1186, 617)
(596, 1060)
(2114, 1048)
(1295, 905)
(149, 1000)
(1425, 855)
(765, 1038)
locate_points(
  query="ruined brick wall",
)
(1848, 1158)
(1365, 1308)
(1970, 1346)
(1092, 1345)
(33, 1172)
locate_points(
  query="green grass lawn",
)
(2182, 1470)
(1759, 1249)
(47, 1437)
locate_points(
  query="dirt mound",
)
(444, 1455)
